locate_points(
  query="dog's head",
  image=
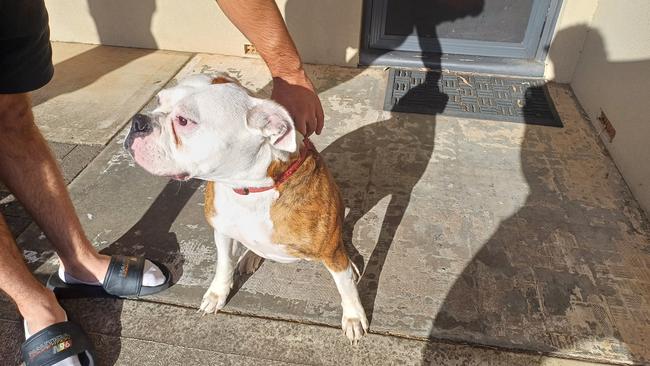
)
(208, 127)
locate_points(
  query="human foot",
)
(42, 313)
(92, 271)
(124, 277)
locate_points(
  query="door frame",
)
(522, 59)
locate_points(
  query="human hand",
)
(296, 93)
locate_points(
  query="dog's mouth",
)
(180, 177)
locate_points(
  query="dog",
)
(267, 187)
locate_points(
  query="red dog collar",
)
(304, 152)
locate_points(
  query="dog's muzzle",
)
(140, 125)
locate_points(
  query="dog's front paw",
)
(213, 302)
(354, 327)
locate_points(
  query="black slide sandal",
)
(123, 279)
(56, 343)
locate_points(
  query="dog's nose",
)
(140, 123)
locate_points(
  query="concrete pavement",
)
(486, 234)
(104, 84)
(145, 333)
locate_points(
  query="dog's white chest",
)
(247, 219)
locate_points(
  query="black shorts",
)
(25, 51)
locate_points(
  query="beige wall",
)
(613, 75)
(570, 33)
(325, 31)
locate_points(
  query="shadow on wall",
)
(551, 277)
(85, 68)
(621, 90)
(594, 54)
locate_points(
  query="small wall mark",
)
(607, 126)
(249, 49)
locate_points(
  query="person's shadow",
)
(151, 236)
(388, 158)
(87, 67)
(554, 258)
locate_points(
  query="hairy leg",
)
(29, 170)
(35, 303)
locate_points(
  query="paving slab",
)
(491, 233)
(96, 89)
(143, 333)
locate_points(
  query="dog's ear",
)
(272, 121)
(223, 78)
(201, 80)
(196, 80)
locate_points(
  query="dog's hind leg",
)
(248, 262)
(227, 253)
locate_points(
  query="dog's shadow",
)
(379, 160)
(151, 236)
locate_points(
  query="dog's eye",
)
(182, 121)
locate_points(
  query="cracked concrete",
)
(490, 233)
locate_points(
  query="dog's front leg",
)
(354, 321)
(215, 298)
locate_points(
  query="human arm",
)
(261, 22)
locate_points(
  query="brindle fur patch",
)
(209, 208)
(308, 214)
(221, 80)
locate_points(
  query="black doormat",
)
(471, 96)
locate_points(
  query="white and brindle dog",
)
(267, 189)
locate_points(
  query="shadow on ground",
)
(389, 157)
(548, 276)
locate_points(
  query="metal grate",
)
(471, 96)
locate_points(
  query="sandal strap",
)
(55, 343)
(124, 276)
